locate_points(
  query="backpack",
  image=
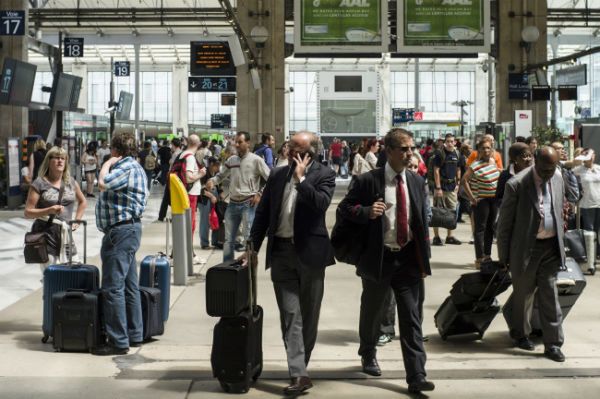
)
(150, 161)
(179, 168)
(430, 168)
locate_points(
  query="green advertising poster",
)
(344, 25)
(444, 25)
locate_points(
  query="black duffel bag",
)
(443, 218)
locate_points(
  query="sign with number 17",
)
(12, 23)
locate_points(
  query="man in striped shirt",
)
(123, 196)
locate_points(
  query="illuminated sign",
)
(211, 58)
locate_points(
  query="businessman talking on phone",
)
(390, 207)
(292, 212)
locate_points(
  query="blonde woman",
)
(42, 200)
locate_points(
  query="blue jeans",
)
(235, 214)
(205, 225)
(120, 290)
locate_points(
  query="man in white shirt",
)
(292, 213)
(530, 239)
(246, 171)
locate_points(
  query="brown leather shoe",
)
(298, 385)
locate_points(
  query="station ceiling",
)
(110, 31)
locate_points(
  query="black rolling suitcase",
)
(227, 289)
(76, 322)
(62, 277)
(474, 315)
(152, 312)
(570, 285)
(236, 357)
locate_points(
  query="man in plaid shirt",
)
(123, 196)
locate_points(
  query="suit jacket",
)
(356, 206)
(311, 238)
(520, 218)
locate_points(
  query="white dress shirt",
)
(543, 233)
(390, 238)
(285, 229)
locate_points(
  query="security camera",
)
(484, 68)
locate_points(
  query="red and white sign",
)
(523, 123)
(437, 116)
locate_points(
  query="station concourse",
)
(183, 74)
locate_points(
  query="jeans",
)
(149, 176)
(205, 230)
(484, 214)
(120, 290)
(235, 214)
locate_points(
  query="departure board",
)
(211, 58)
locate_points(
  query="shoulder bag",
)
(37, 240)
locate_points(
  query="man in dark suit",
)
(292, 212)
(390, 207)
(530, 241)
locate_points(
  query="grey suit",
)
(533, 263)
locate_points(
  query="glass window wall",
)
(303, 101)
(202, 105)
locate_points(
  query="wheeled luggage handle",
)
(74, 293)
(72, 242)
(252, 274)
(483, 295)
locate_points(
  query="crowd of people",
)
(284, 193)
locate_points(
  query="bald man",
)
(530, 242)
(292, 212)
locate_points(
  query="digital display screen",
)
(567, 93)
(124, 108)
(211, 58)
(348, 83)
(214, 84)
(62, 90)
(540, 93)
(76, 90)
(17, 81)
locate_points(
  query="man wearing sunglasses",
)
(390, 208)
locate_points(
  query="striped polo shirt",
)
(484, 180)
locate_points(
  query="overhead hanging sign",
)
(443, 26)
(211, 58)
(220, 121)
(122, 68)
(211, 84)
(340, 26)
(12, 23)
(576, 75)
(518, 86)
(73, 47)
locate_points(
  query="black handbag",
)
(43, 235)
(347, 239)
(575, 245)
(443, 218)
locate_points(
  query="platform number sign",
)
(12, 23)
(122, 68)
(73, 47)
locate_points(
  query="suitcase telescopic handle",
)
(252, 272)
(73, 293)
(84, 224)
(490, 284)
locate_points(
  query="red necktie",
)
(401, 213)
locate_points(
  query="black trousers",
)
(407, 284)
(485, 213)
(164, 205)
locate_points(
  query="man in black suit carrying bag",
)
(390, 208)
(292, 212)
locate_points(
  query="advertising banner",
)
(340, 26)
(446, 26)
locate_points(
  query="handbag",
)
(213, 219)
(575, 245)
(38, 239)
(346, 239)
(443, 218)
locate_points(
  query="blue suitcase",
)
(67, 276)
(155, 272)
